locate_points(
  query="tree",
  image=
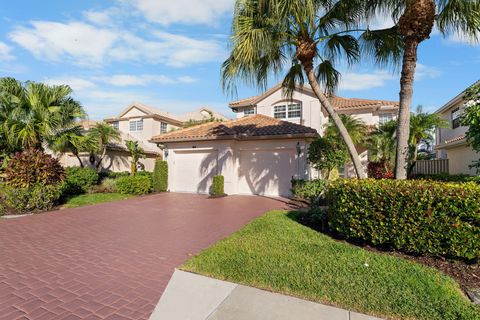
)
(136, 152)
(356, 128)
(266, 34)
(325, 155)
(104, 134)
(414, 23)
(471, 119)
(381, 143)
(73, 140)
(32, 113)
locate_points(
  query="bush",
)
(138, 185)
(37, 197)
(310, 190)
(113, 175)
(380, 170)
(108, 185)
(218, 186)
(160, 176)
(460, 178)
(420, 217)
(32, 167)
(79, 180)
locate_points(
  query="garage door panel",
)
(266, 172)
(194, 171)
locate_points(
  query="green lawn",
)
(94, 198)
(277, 253)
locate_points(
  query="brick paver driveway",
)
(110, 261)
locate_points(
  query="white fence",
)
(430, 166)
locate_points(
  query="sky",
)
(168, 54)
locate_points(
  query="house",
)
(264, 148)
(304, 108)
(451, 142)
(139, 122)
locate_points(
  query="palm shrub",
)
(414, 216)
(79, 180)
(218, 186)
(160, 176)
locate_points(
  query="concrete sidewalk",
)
(193, 297)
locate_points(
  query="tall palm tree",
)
(104, 135)
(415, 20)
(136, 153)
(311, 35)
(34, 112)
(73, 140)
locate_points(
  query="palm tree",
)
(356, 128)
(73, 140)
(136, 152)
(381, 143)
(305, 33)
(414, 23)
(104, 135)
(33, 113)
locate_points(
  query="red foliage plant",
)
(380, 170)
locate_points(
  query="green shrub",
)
(79, 180)
(310, 190)
(445, 177)
(160, 176)
(415, 216)
(218, 186)
(31, 167)
(113, 175)
(35, 198)
(108, 185)
(138, 185)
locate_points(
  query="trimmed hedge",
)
(218, 186)
(415, 216)
(160, 176)
(79, 180)
(38, 197)
(310, 190)
(138, 185)
(445, 177)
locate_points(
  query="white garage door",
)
(193, 171)
(266, 172)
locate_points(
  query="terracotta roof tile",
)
(240, 129)
(459, 138)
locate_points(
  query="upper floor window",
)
(136, 125)
(385, 117)
(249, 111)
(456, 118)
(163, 127)
(115, 125)
(290, 111)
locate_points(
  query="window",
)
(136, 125)
(163, 127)
(115, 125)
(249, 111)
(385, 117)
(290, 111)
(456, 118)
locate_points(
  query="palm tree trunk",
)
(99, 163)
(406, 93)
(359, 169)
(79, 159)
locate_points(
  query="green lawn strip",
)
(94, 198)
(277, 253)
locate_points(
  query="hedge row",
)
(160, 176)
(415, 216)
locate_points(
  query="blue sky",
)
(168, 54)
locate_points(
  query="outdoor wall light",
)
(165, 152)
(299, 149)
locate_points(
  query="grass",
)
(94, 198)
(276, 253)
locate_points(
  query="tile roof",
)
(246, 128)
(455, 139)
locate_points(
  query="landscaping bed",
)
(276, 252)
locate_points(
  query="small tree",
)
(104, 134)
(326, 155)
(471, 119)
(136, 152)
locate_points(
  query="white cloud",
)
(425, 72)
(461, 38)
(54, 41)
(101, 18)
(124, 80)
(364, 81)
(5, 52)
(77, 84)
(184, 11)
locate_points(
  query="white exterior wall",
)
(226, 158)
(460, 158)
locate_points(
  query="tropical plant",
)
(326, 155)
(381, 143)
(136, 153)
(104, 134)
(266, 34)
(414, 21)
(471, 119)
(356, 128)
(73, 140)
(32, 113)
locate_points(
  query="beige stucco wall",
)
(448, 133)
(226, 157)
(460, 158)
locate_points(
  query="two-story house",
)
(451, 143)
(264, 148)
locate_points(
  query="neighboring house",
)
(451, 142)
(305, 109)
(256, 155)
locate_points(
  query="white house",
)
(451, 143)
